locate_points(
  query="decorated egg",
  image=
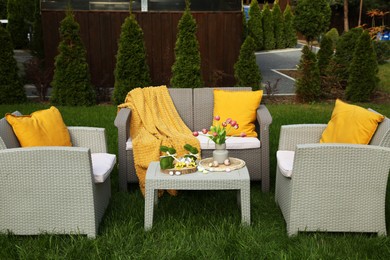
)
(171, 173)
(226, 162)
(215, 163)
(177, 173)
(227, 170)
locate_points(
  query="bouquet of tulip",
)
(218, 133)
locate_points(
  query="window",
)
(91, 4)
(149, 5)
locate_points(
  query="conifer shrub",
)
(268, 28)
(246, 71)
(37, 45)
(71, 80)
(333, 34)
(308, 85)
(290, 33)
(325, 54)
(255, 27)
(3, 9)
(244, 26)
(363, 79)
(312, 18)
(343, 56)
(16, 25)
(11, 88)
(278, 26)
(382, 49)
(186, 70)
(131, 69)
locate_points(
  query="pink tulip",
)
(228, 120)
(204, 131)
(236, 126)
(195, 133)
(224, 124)
(217, 118)
(243, 134)
(233, 123)
(215, 134)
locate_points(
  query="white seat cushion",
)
(231, 143)
(285, 162)
(102, 164)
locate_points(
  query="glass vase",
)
(220, 154)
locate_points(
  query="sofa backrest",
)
(183, 101)
(382, 134)
(196, 106)
(7, 134)
(204, 105)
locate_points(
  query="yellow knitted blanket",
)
(155, 122)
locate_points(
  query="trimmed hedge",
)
(246, 71)
(268, 28)
(333, 34)
(131, 69)
(20, 13)
(11, 88)
(278, 20)
(255, 27)
(363, 71)
(72, 80)
(186, 70)
(312, 18)
(308, 85)
(290, 33)
(325, 54)
(344, 53)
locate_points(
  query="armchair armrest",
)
(122, 122)
(264, 118)
(292, 135)
(91, 137)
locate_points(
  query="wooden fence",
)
(219, 35)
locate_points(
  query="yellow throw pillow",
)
(41, 128)
(240, 106)
(350, 124)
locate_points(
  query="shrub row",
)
(271, 29)
(351, 69)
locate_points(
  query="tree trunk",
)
(360, 13)
(346, 24)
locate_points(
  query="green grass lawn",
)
(196, 224)
(384, 76)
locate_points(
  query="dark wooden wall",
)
(219, 35)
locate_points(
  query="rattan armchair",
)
(52, 189)
(333, 187)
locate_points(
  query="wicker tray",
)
(185, 170)
(235, 164)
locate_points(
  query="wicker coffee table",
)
(234, 180)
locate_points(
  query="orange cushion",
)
(351, 124)
(240, 106)
(41, 128)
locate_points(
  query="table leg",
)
(149, 207)
(155, 197)
(244, 195)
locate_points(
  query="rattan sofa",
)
(51, 189)
(333, 187)
(195, 107)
